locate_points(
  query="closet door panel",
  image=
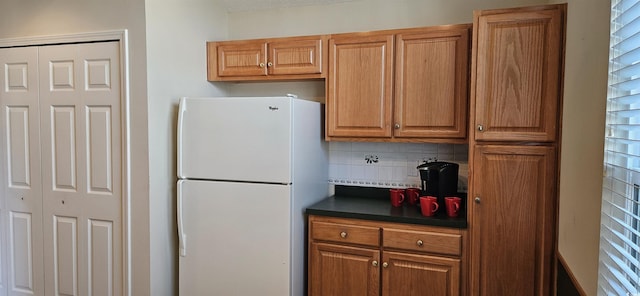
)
(18, 146)
(66, 253)
(63, 152)
(82, 160)
(99, 150)
(101, 254)
(21, 246)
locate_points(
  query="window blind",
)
(619, 267)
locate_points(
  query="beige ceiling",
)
(250, 5)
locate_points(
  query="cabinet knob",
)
(385, 264)
(397, 126)
(374, 263)
(261, 65)
(343, 234)
(269, 64)
(480, 127)
(477, 199)
(419, 243)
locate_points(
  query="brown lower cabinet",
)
(343, 270)
(362, 257)
(513, 220)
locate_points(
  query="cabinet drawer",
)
(352, 234)
(422, 241)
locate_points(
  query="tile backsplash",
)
(390, 164)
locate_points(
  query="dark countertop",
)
(373, 204)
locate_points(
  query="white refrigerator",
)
(247, 168)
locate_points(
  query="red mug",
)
(412, 194)
(397, 197)
(453, 206)
(428, 205)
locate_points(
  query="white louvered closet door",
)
(81, 164)
(21, 247)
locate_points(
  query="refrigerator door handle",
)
(181, 236)
(183, 108)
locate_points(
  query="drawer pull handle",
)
(374, 263)
(343, 234)
(385, 264)
(419, 243)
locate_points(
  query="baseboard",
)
(567, 285)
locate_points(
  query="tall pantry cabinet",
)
(61, 206)
(516, 96)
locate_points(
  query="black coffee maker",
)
(439, 179)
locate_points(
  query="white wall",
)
(363, 15)
(55, 17)
(585, 92)
(176, 57)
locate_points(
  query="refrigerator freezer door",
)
(242, 139)
(236, 238)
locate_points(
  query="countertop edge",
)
(375, 209)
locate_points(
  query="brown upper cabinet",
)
(359, 86)
(290, 58)
(399, 85)
(431, 89)
(517, 75)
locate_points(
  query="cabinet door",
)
(431, 95)
(360, 86)
(414, 275)
(518, 62)
(81, 168)
(238, 58)
(512, 220)
(295, 56)
(21, 251)
(336, 270)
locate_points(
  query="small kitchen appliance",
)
(439, 179)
